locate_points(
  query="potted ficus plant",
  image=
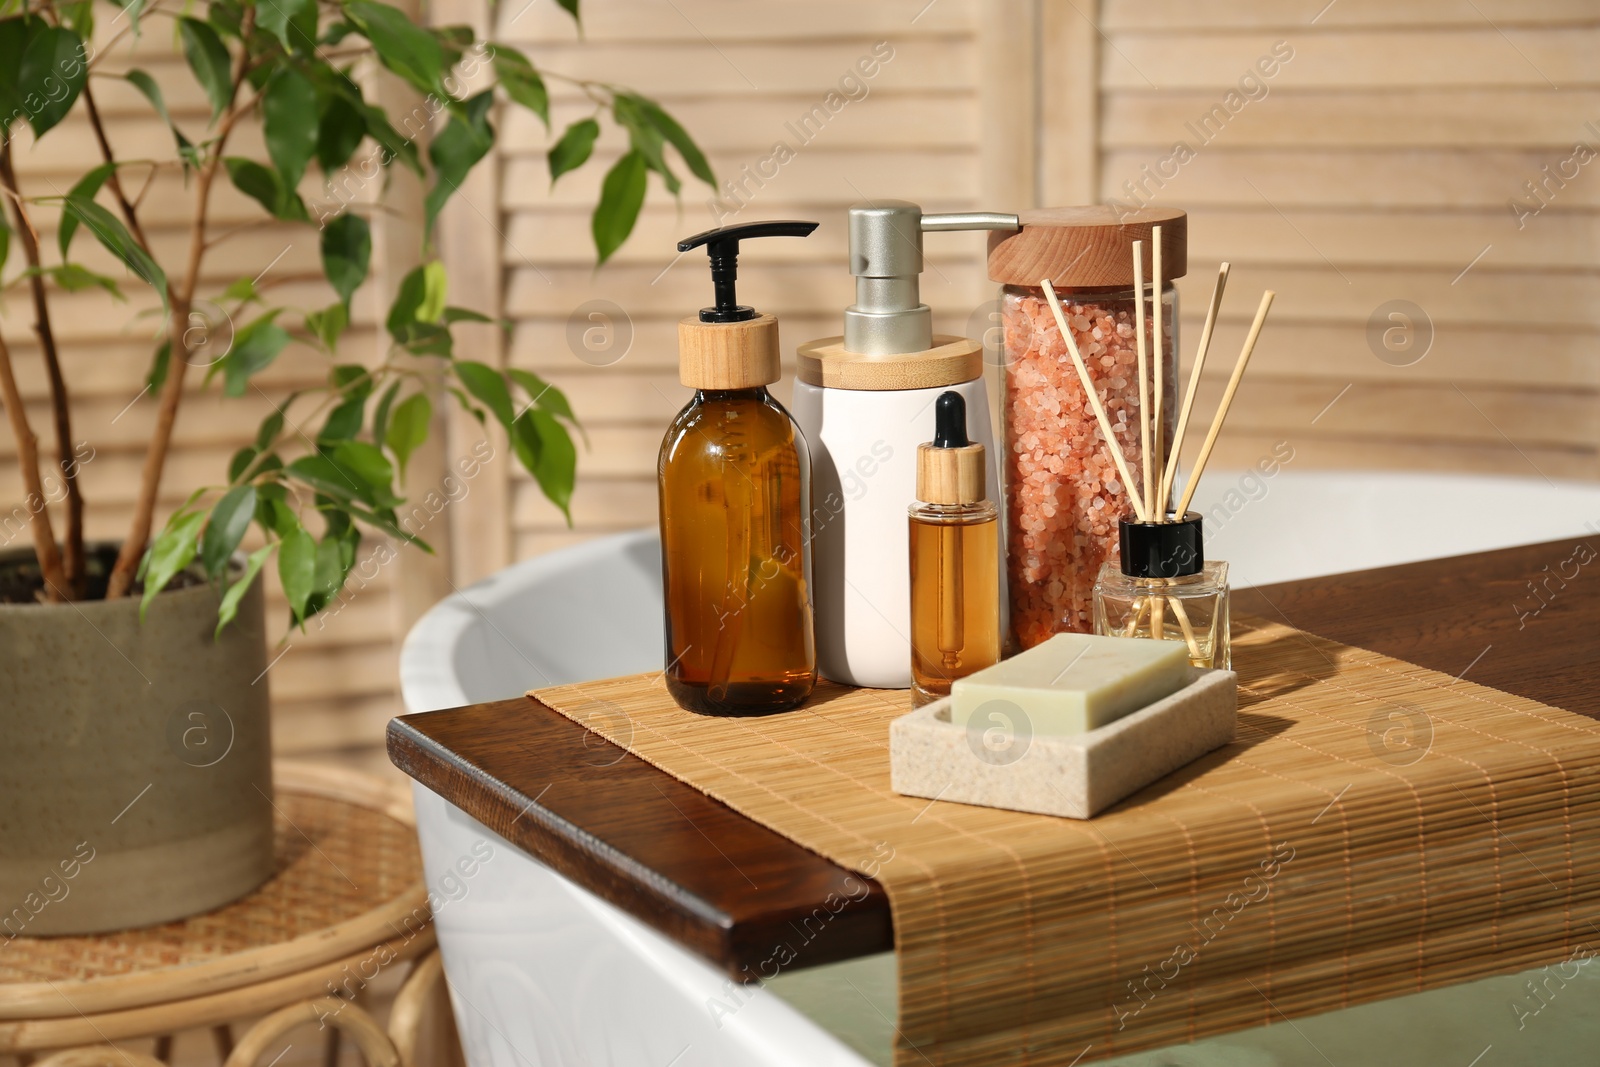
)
(135, 779)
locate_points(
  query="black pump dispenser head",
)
(950, 421)
(722, 245)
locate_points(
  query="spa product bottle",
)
(1164, 588)
(955, 553)
(735, 491)
(862, 399)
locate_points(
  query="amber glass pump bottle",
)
(735, 491)
(955, 559)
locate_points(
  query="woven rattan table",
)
(346, 903)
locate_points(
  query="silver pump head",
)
(889, 316)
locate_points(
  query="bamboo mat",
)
(1377, 829)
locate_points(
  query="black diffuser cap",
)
(722, 245)
(1163, 549)
(950, 421)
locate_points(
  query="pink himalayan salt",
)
(1063, 494)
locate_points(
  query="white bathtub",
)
(542, 972)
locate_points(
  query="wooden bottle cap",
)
(949, 475)
(1087, 246)
(728, 355)
(951, 361)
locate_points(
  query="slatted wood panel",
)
(1380, 165)
(335, 686)
(735, 74)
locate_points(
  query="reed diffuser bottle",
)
(955, 559)
(735, 492)
(1163, 588)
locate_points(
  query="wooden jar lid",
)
(949, 475)
(1087, 246)
(728, 355)
(951, 361)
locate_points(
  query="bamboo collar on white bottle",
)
(950, 468)
(888, 341)
(729, 345)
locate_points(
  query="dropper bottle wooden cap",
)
(949, 468)
(728, 345)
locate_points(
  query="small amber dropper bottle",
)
(955, 559)
(735, 491)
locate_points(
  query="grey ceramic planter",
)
(135, 762)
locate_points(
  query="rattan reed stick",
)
(1146, 490)
(1194, 382)
(1156, 501)
(1093, 397)
(1227, 400)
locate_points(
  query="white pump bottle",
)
(865, 402)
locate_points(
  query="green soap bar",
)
(1072, 683)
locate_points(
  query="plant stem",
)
(181, 301)
(60, 407)
(114, 180)
(44, 538)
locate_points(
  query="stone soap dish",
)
(1001, 765)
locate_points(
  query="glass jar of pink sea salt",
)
(1064, 495)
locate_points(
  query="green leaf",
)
(678, 137)
(51, 76)
(570, 7)
(229, 520)
(330, 571)
(489, 386)
(266, 186)
(87, 188)
(158, 367)
(621, 197)
(574, 148)
(297, 569)
(172, 551)
(466, 139)
(402, 46)
(346, 251)
(79, 14)
(395, 146)
(643, 137)
(208, 58)
(367, 463)
(323, 475)
(386, 522)
(15, 35)
(543, 446)
(152, 92)
(340, 128)
(455, 314)
(343, 422)
(328, 324)
(255, 346)
(293, 22)
(380, 416)
(420, 299)
(289, 123)
(241, 462)
(271, 427)
(118, 241)
(75, 279)
(5, 239)
(409, 428)
(544, 395)
(522, 82)
(228, 610)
